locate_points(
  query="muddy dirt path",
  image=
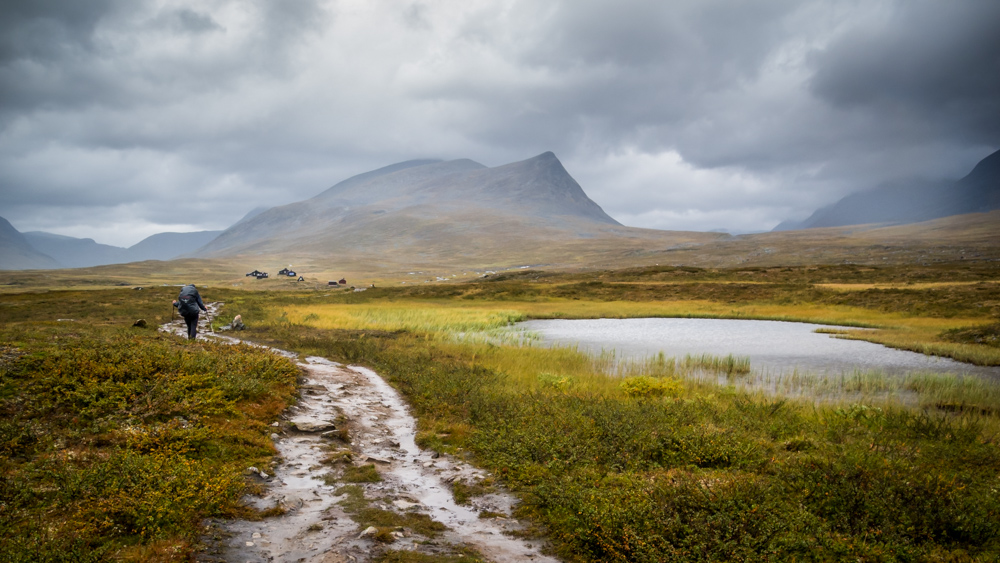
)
(307, 486)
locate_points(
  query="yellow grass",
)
(865, 286)
(422, 316)
(448, 318)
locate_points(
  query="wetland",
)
(772, 347)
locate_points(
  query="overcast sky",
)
(124, 118)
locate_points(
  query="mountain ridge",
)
(418, 204)
(905, 202)
(16, 253)
(45, 251)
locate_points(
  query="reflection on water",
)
(774, 347)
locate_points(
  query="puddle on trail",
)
(315, 528)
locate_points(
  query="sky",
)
(120, 119)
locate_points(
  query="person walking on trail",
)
(189, 303)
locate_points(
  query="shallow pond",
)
(773, 346)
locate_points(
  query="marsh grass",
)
(431, 318)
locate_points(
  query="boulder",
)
(311, 424)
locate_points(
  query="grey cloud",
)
(789, 104)
(43, 30)
(185, 20)
(932, 61)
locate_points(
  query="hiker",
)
(188, 303)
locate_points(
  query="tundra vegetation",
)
(613, 461)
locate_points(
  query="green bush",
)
(646, 386)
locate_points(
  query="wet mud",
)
(348, 417)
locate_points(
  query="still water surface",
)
(772, 346)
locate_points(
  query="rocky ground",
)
(347, 423)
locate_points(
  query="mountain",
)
(71, 252)
(16, 253)
(166, 246)
(911, 202)
(424, 209)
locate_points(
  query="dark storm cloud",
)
(688, 114)
(43, 30)
(930, 61)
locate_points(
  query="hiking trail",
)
(315, 526)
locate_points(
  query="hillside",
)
(166, 246)
(911, 202)
(432, 212)
(72, 252)
(16, 253)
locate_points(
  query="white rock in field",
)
(369, 531)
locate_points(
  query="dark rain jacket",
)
(189, 301)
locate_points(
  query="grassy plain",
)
(654, 462)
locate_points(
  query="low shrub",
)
(645, 386)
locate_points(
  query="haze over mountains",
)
(911, 202)
(41, 250)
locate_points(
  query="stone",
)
(310, 424)
(369, 531)
(404, 505)
(291, 502)
(141, 323)
(378, 460)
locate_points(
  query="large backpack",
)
(187, 301)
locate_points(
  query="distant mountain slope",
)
(166, 246)
(903, 203)
(16, 253)
(71, 252)
(427, 208)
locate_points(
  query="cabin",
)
(301, 279)
(332, 283)
(287, 272)
(257, 274)
(342, 281)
